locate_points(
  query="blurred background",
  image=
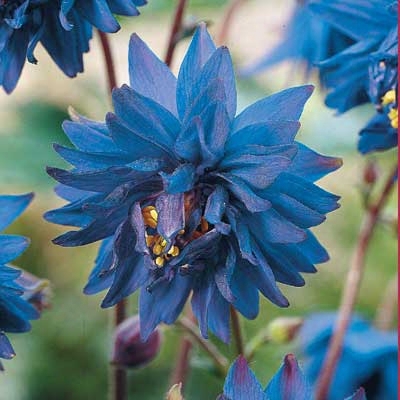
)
(66, 354)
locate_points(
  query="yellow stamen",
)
(173, 251)
(181, 232)
(163, 242)
(160, 261)
(393, 116)
(157, 249)
(389, 97)
(154, 214)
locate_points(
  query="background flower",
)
(63, 27)
(15, 311)
(307, 39)
(188, 198)
(367, 70)
(369, 357)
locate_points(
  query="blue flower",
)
(369, 357)
(288, 383)
(188, 198)
(15, 311)
(367, 70)
(63, 27)
(307, 39)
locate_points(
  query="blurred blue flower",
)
(288, 383)
(366, 71)
(63, 27)
(307, 39)
(15, 311)
(188, 198)
(369, 357)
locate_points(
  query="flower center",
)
(161, 250)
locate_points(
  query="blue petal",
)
(11, 207)
(289, 383)
(199, 52)
(149, 76)
(180, 180)
(11, 247)
(163, 303)
(171, 214)
(283, 106)
(241, 383)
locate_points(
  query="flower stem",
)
(386, 309)
(108, 58)
(220, 361)
(237, 332)
(176, 27)
(180, 372)
(227, 19)
(117, 376)
(351, 289)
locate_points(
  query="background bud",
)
(371, 173)
(36, 291)
(284, 329)
(129, 350)
(175, 392)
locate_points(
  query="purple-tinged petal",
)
(171, 214)
(289, 383)
(241, 383)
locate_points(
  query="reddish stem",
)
(237, 332)
(351, 290)
(109, 61)
(227, 19)
(176, 27)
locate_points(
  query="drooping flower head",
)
(368, 359)
(189, 198)
(288, 383)
(15, 311)
(307, 39)
(367, 70)
(63, 27)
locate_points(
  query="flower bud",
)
(36, 291)
(284, 329)
(129, 350)
(175, 392)
(371, 173)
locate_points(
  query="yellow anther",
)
(393, 116)
(389, 97)
(203, 225)
(150, 239)
(173, 251)
(181, 232)
(163, 242)
(154, 214)
(157, 249)
(160, 261)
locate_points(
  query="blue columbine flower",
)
(366, 71)
(369, 357)
(307, 39)
(63, 27)
(189, 198)
(15, 311)
(289, 383)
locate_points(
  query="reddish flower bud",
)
(371, 173)
(129, 350)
